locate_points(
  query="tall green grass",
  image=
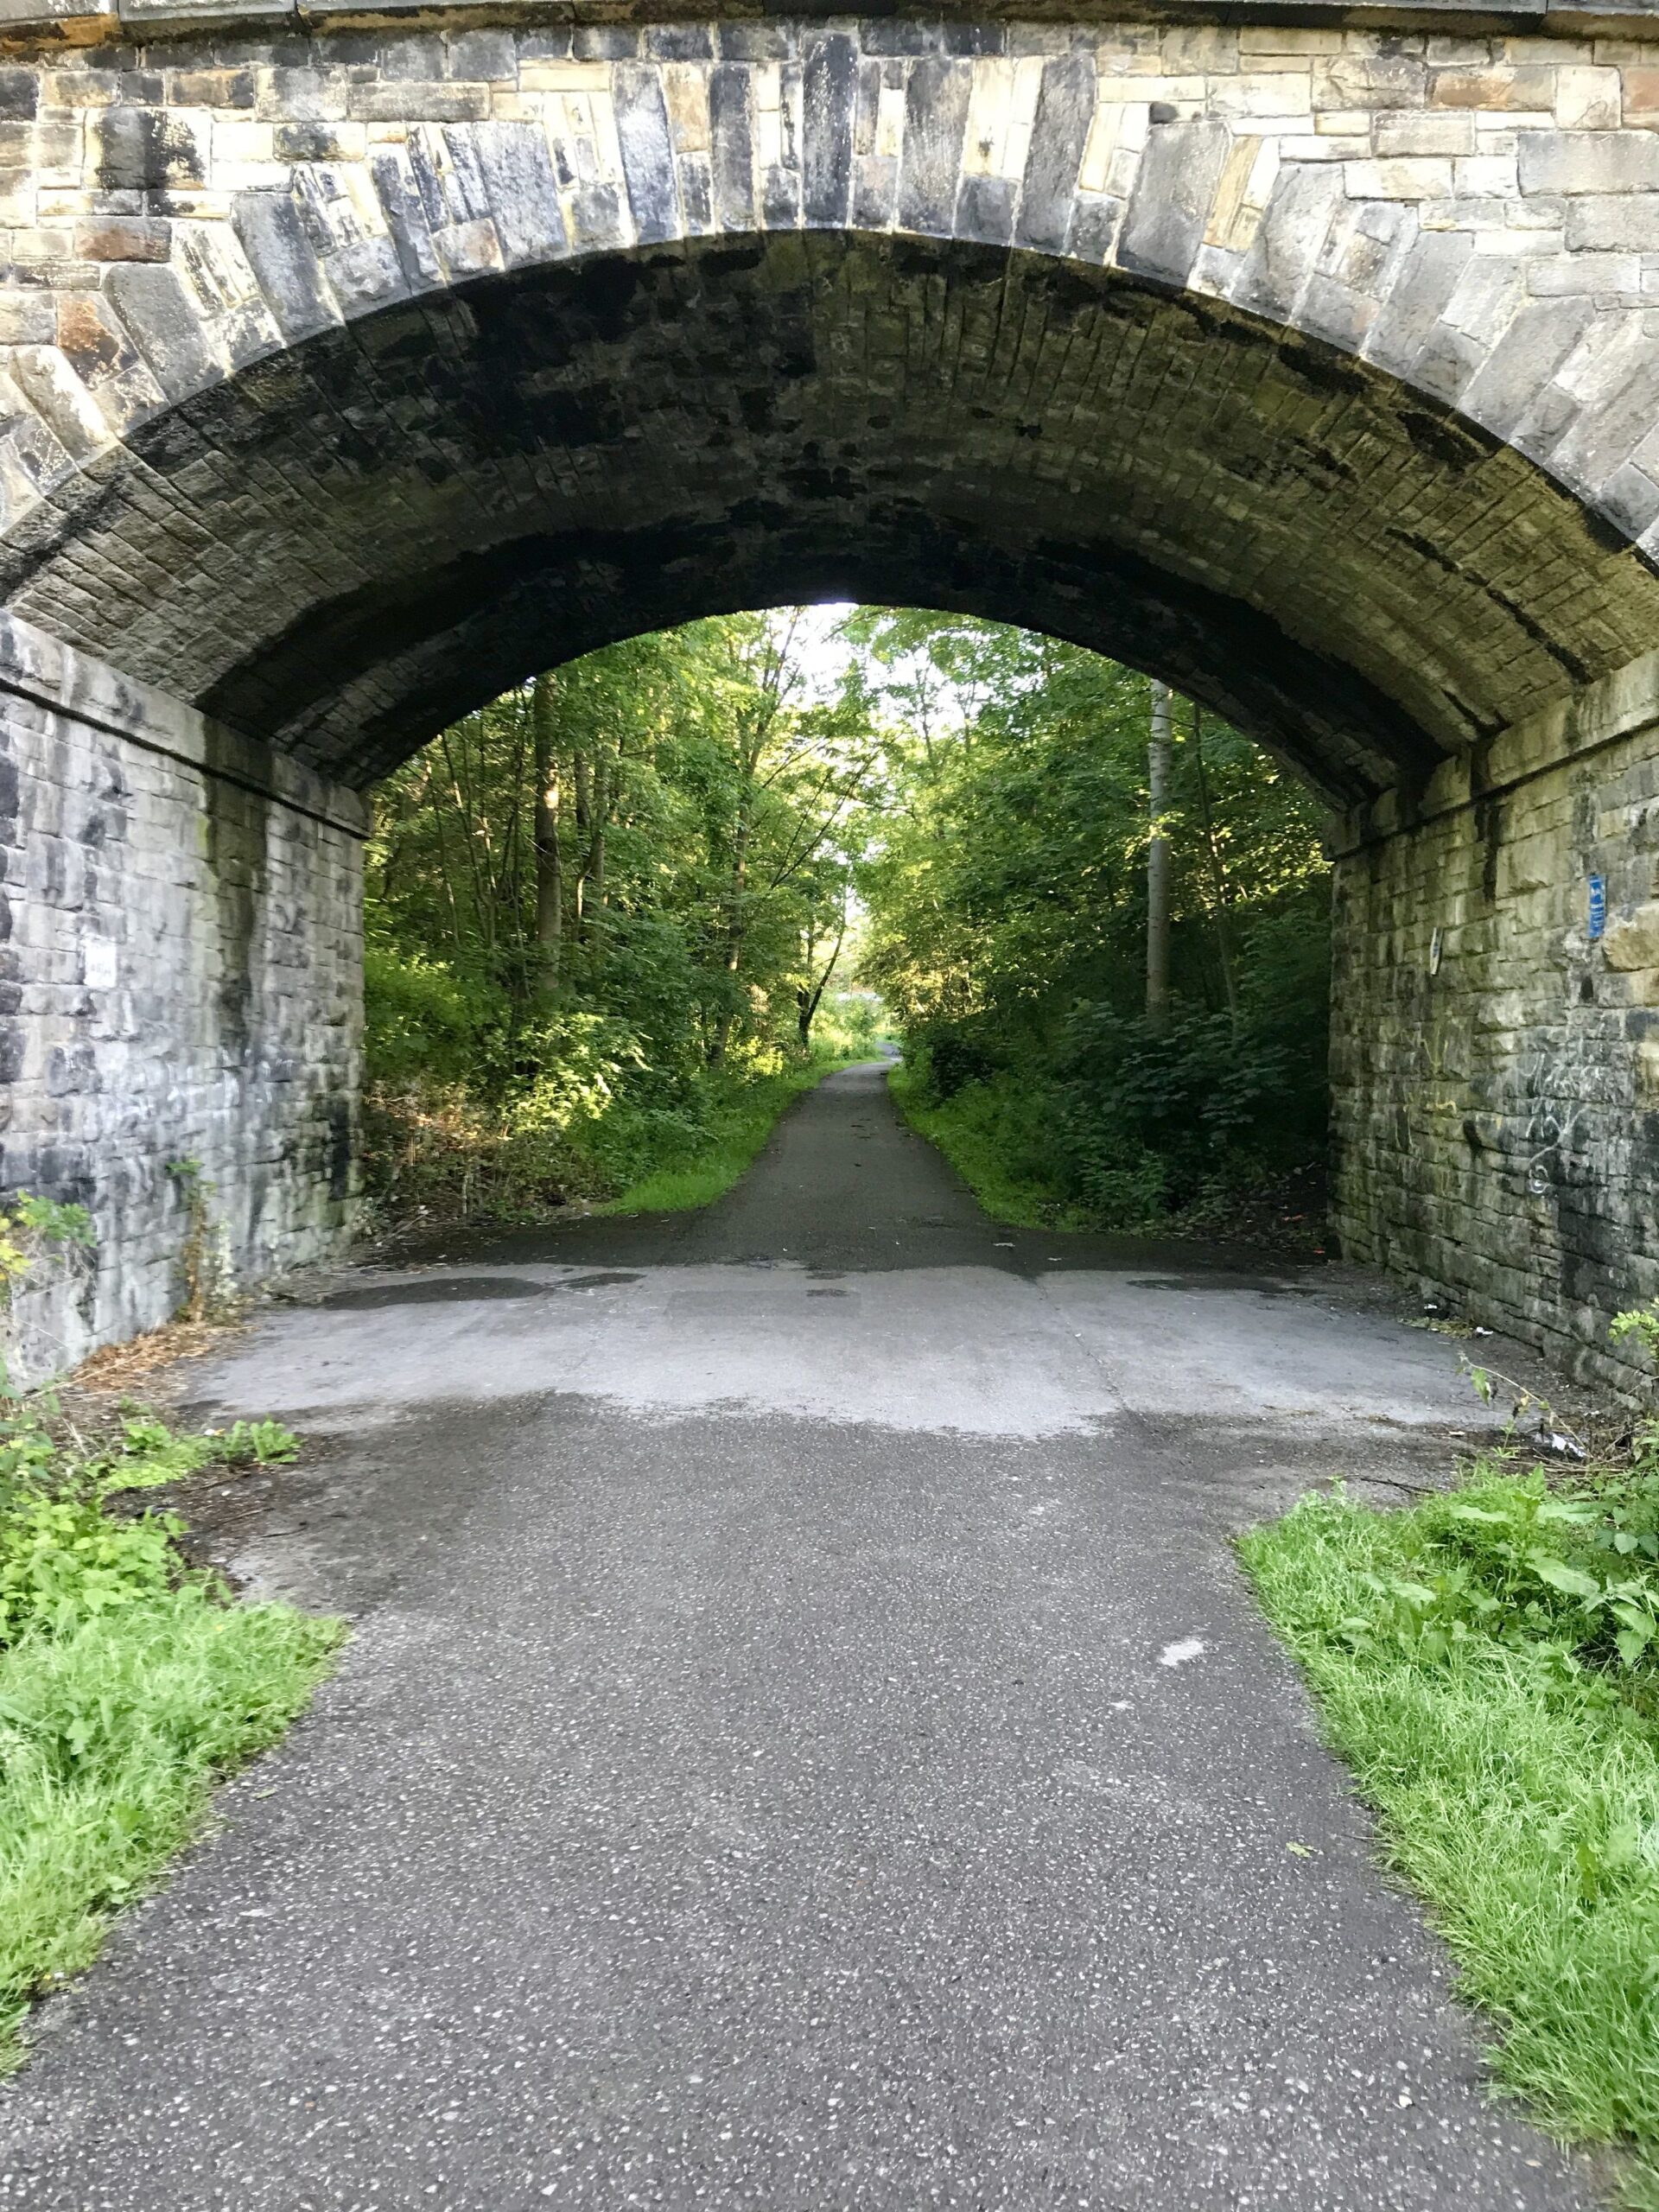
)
(993, 1144)
(128, 1687)
(1466, 1659)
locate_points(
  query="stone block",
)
(1065, 113)
(1527, 89)
(1398, 131)
(1287, 245)
(731, 129)
(1532, 348)
(1600, 161)
(147, 149)
(937, 93)
(164, 323)
(1588, 98)
(1614, 222)
(285, 263)
(1632, 940)
(829, 85)
(1168, 210)
(1420, 295)
(524, 192)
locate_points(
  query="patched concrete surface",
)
(807, 1746)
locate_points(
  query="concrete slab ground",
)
(807, 1745)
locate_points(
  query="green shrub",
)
(950, 1061)
(1487, 1662)
(62, 1563)
(112, 1736)
(1117, 1125)
(419, 1025)
(1163, 1113)
(128, 1684)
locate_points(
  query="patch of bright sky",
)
(822, 654)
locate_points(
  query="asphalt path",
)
(806, 1744)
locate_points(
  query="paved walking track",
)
(807, 1746)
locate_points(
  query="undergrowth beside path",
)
(129, 1684)
(739, 1124)
(442, 1154)
(970, 1129)
(1486, 1662)
(999, 1134)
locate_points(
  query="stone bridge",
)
(357, 367)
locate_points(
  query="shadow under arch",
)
(381, 527)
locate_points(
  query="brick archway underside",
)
(353, 542)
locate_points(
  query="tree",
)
(1160, 748)
(550, 863)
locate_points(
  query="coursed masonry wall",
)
(180, 979)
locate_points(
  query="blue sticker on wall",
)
(1598, 907)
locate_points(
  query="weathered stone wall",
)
(181, 982)
(351, 370)
(1495, 1064)
(1474, 214)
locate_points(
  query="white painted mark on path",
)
(1177, 1655)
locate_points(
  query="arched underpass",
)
(816, 1753)
(315, 465)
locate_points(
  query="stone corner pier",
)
(183, 993)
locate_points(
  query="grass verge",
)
(740, 1123)
(129, 1686)
(971, 1130)
(1485, 1663)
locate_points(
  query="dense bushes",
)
(1007, 930)
(1121, 1126)
(574, 1108)
(603, 915)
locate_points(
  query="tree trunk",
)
(583, 780)
(736, 927)
(1221, 889)
(549, 867)
(808, 996)
(1158, 753)
(600, 807)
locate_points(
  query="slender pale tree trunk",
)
(1158, 753)
(594, 903)
(582, 778)
(1221, 890)
(550, 867)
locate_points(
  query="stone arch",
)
(394, 518)
(383, 368)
